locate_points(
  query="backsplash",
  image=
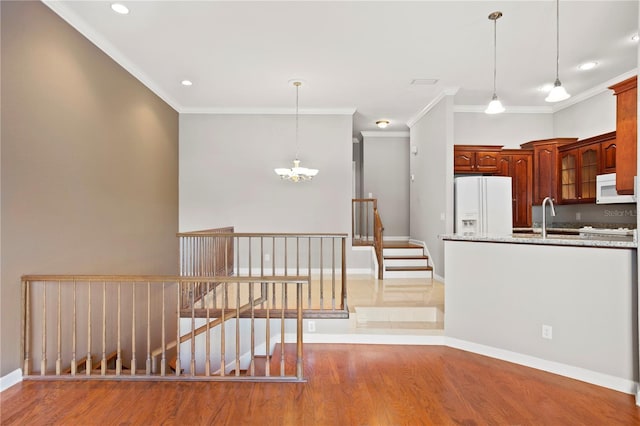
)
(596, 215)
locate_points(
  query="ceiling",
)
(359, 56)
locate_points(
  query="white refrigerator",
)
(483, 205)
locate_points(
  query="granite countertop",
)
(551, 240)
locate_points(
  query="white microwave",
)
(606, 192)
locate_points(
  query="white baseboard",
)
(582, 374)
(10, 379)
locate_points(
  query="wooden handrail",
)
(378, 242)
(261, 234)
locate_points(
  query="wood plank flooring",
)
(347, 385)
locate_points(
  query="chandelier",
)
(296, 173)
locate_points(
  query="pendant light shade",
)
(296, 173)
(495, 106)
(558, 93)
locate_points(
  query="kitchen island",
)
(501, 292)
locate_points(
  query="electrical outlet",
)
(547, 332)
(578, 216)
(442, 216)
(311, 326)
(267, 257)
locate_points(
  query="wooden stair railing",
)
(233, 313)
(378, 242)
(66, 317)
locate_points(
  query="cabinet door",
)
(569, 176)
(588, 157)
(545, 169)
(521, 175)
(626, 134)
(608, 157)
(463, 161)
(487, 162)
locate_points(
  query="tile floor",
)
(410, 303)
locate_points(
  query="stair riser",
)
(423, 314)
(407, 274)
(402, 252)
(405, 262)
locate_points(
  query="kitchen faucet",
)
(544, 215)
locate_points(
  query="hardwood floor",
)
(347, 385)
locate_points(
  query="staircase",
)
(405, 260)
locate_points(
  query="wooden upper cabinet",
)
(546, 166)
(463, 160)
(580, 163)
(476, 158)
(626, 133)
(608, 156)
(579, 166)
(518, 164)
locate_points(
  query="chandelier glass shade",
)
(296, 173)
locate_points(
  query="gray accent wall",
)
(89, 164)
(386, 176)
(431, 192)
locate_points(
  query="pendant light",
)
(296, 173)
(558, 93)
(495, 106)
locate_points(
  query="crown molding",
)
(269, 111)
(552, 109)
(383, 134)
(101, 43)
(603, 87)
(508, 109)
(451, 91)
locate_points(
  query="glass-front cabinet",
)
(578, 170)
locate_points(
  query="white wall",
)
(500, 295)
(431, 193)
(510, 130)
(386, 176)
(591, 117)
(227, 177)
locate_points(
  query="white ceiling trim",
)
(269, 111)
(383, 134)
(101, 43)
(604, 87)
(508, 109)
(446, 92)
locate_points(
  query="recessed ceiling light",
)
(587, 65)
(382, 123)
(119, 8)
(635, 37)
(186, 82)
(424, 81)
(545, 88)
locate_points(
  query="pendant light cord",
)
(297, 139)
(494, 55)
(557, 40)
